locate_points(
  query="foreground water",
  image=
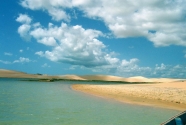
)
(42, 103)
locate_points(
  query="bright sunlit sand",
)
(167, 93)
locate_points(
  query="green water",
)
(42, 103)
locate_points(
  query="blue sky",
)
(120, 37)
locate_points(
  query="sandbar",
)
(171, 94)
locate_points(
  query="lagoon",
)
(46, 103)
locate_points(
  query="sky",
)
(83, 37)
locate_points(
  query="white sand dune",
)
(130, 79)
(138, 79)
(73, 77)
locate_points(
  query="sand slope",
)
(16, 74)
(73, 77)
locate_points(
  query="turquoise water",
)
(43, 103)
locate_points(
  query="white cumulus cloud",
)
(23, 18)
(23, 30)
(75, 45)
(58, 14)
(49, 41)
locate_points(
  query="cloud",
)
(124, 68)
(23, 30)
(161, 22)
(128, 68)
(81, 48)
(53, 7)
(23, 18)
(22, 60)
(130, 63)
(44, 4)
(49, 41)
(131, 68)
(5, 62)
(184, 53)
(58, 14)
(171, 71)
(161, 67)
(40, 53)
(138, 18)
(7, 54)
(75, 45)
(45, 65)
(20, 50)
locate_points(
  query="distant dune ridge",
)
(16, 74)
(130, 79)
(73, 77)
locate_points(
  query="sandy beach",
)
(170, 94)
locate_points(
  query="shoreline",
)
(163, 95)
(159, 92)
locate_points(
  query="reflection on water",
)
(55, 103)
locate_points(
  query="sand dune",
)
(4, 71)
(73, 77)
(16, 74)
(138, 79)
(130, 79)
